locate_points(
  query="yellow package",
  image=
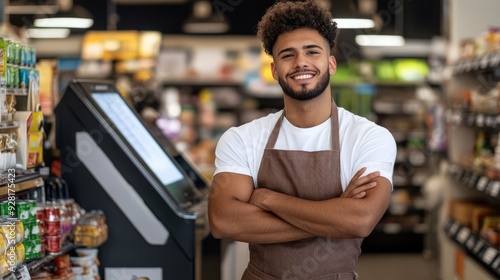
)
(35, 149)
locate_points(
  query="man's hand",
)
(359, 185)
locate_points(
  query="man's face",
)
(302, 63)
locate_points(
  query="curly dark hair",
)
(288, 15)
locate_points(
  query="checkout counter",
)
(154, 200)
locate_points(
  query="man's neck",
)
(308, 113)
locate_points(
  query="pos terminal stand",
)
(155, 201)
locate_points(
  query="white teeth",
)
(301, 77)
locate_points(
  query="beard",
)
(304, 93)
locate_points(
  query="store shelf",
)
(474, 180)
(472, 119)
(34, 265)
(480, 63)
(8, 125)
(18, 91)
(476, 247)
(13, 183)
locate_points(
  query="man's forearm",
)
(335, 218)
(248, 223)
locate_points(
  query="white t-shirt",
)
(362, 144)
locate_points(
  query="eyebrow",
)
(304, 48)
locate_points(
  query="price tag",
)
(491, 187)
(472, 180)
(495, 188)
(465, 177)
(24, 273)
(484, 61)
(482, 183)
(490, 121)
(489, 255)
(496, 263)
(471, 242)
(495, 60)
(480, 120)
(497, 121)
(463, 234)
(479, 246)
(454, 228)
(471, 120)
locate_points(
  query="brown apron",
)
(313, 176)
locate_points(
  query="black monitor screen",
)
(145, 146)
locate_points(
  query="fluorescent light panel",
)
(44, 33)
(380, 40)
(354, 23)
(64, 22)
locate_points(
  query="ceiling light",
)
(380, 40)
(76, 17)
(354, 23)
(346, 15)
(203, 20)
(45, 33)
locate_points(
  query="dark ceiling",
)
(419, 19)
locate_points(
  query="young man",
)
(305, 185)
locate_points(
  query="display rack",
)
(469, 182)
(21, 181)
(482, 252)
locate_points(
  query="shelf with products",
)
(474, 180)
(480, 250)
(473, 157)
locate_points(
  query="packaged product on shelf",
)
(490, 229)
(3, 90)
(91, 230)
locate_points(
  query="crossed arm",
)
(237, 211)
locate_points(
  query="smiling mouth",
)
(302, 77)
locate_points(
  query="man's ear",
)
(332, 65)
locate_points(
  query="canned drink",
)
(24, 77)
(7, 209)
(40, 213)
(36, 249)
(33, 56)
(32, 209)
(28, 227)
(35, 230)
(28, 250)
(17, 53)
(52, 214)
(53, 244)
(8, 76)
(23, 58)
(53, 228)
(8, 51)
(16, 81)
(42, 227)
(23, 210)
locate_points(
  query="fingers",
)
(360, 184)
(362, 189)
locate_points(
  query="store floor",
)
(396, 266)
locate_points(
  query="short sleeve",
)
(230, 154)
